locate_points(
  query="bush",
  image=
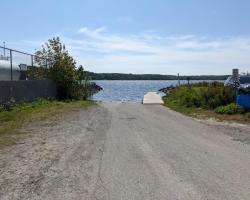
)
(248, 115)
(36, 73)
(229, 109)
(205, 95)
(215, 95)
(7, 106)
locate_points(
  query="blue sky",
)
(136, 36)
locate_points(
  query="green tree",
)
(62, 69)
(72, 82)
(84, 81)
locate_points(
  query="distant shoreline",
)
(157, 79)
(120, 76)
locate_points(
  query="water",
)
(130, 90)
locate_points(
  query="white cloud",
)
(92, 33)
(101, 51)
(152, 53)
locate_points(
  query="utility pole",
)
(188, 80)
(4, 49)
(179, 83)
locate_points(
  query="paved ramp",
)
(153, 153)
(125, 151)
(152, 98)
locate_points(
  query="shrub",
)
(36, 73)
(206, 95)
(215, 95)
(229, 109)
(248, 115)
(7, 106)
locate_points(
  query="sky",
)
(190, 37)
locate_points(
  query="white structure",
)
(5, 72)
(152, 98)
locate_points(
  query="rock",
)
(94, 88)
(167, 90)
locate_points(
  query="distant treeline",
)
(119, 76)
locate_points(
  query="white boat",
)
(244, 81)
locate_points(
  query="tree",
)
(62, 69)
(72, 82)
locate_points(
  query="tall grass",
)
(202, 95)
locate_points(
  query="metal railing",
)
(14, 62)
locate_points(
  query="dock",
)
(152, 98)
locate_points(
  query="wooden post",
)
(179, 83)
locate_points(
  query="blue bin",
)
(244, 101)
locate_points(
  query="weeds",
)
(230, 109)
(204, 95)
(13, 117)
(206, 100)
(248, 115)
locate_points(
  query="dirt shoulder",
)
(239, 132)
(14, 117)
(58, 157)
(237, 125)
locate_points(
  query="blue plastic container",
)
(244, 101)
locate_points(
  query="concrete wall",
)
(26, 91)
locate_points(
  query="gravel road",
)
(127, 151)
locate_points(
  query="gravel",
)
(127, 151)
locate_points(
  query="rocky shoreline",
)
(94, 88)
(167, 90)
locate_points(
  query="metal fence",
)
(14, 64)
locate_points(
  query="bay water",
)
(132, 90)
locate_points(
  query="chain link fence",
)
(16, 65)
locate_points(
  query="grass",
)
(202, 113)
(176, 107)
(12, 121)
(248, 115)
(206, 100)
